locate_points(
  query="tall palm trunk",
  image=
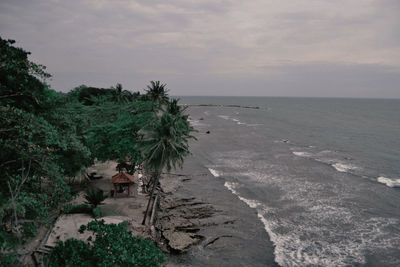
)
(156, 178)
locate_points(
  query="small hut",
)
(122, 183)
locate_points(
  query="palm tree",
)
(157, 92)
(181, 119)
(95, 196)
(119, 95)
(173, 107)
(164, 145)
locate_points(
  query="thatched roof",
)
(122, 178)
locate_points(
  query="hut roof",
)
(122, 178)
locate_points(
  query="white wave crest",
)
(195, 123)
(215, 173)
(254, 124)
(342, 167)
(309, 228)
(251, 203)
(389, 182)
(224, 117)
(302, 154)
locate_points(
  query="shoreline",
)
(222, 230)
(225, 106)
(229, 232)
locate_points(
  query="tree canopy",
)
(47, 138)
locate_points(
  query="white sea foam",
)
(344, 167)
(302, 154)
(309, 227)
(251, 203)
(238, 121)
(215, 173)
(254, 124)
(389, 182)
(224, 117)
(231, 119)
(195, 123)
(340, 166)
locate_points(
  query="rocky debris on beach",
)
(179, 221)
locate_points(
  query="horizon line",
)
(318, 97)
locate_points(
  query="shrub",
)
(8, 243)
(95, 196)
(96, 212)
(81, 208)
(113, 245)
(29, 229)
(72, 252)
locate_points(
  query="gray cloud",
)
(289, 48)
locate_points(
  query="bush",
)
(8, 243)
(113, 245)
(72, 252)
(29, 229)
(96, 212)
(81, 208)
(95, 196)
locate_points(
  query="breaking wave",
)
(215, 173)
(389, 182)
(314, 242)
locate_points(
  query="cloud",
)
(182, 41)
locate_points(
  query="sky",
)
(307, 48)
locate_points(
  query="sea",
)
(322, 174)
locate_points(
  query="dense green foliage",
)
(36, 144)
(80, 208)
(95, 196)
(111, 245)
(48, 139)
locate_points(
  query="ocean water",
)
(323, 175)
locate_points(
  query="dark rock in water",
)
(180, 241)
(179, 220)
(208, 132)
(173, 221)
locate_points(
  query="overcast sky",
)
(333, 48)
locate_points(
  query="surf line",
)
(225, 106)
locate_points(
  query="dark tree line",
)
(47, 139)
